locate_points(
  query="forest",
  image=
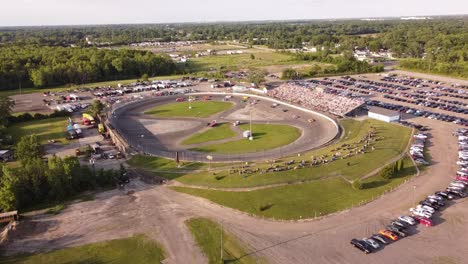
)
(42, 56)
(44, 66)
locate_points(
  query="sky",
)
(85, 12)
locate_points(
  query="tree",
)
(358, 185)
(252, 56)
(8, 184)
(60, 185)
(256, 76)
(28, 148)
(6, 105)
(145, 77)
(96, 108)
(400, 165)
(388, 172)
(290, 74)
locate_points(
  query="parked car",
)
(460, 194)
(429, 203)
(446, 195)
(388, 234)
(361, 245)
(380, 238)
(425, 208)
(424, 221)
(407, 219)
(398, 223)
(420, 213)
(371, 242)
(397, 230)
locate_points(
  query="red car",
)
(180, 99)
(424, 221)
(462, 178)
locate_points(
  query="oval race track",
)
(125, 119)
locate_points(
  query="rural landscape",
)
(341, 140)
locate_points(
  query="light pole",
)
(414, 195)
(221, 247)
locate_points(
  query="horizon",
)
(29, 13)
(331, 19)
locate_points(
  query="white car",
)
(371, 242)
(461, 162)
(420, 136)
(420, 212)
(458, 184)
(421, 161)
(462, 173)
(436, 197)
(407, 219)
(425, 208)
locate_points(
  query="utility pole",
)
(222, 231)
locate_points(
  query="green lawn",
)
(207, 234)
(266, 136)
(242, 61)
(138, 249)
(46, 129)
(181, 109)
(305, 200)
(219, 132)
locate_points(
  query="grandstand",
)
(315, 100)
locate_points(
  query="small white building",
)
(383, 114)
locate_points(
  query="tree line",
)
(345, 64)
(55, 179)
(43, 66)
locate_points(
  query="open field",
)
(46, 129)
(221, 131)
(241, 61)
(138, 249)
(305, 200)
(188, 49)
(181, 109)
(207, 234)
(265, 137)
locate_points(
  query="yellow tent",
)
(88, 116)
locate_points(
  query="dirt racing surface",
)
(162, 139)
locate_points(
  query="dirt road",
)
(160, 212)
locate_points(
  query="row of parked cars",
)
(422, 213)
(462, 173)
(397, 229)
(417, 148)
(418, 112)
(451, 106)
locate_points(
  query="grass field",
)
(305, 200)
(266, 136)
(46, 129)
(181, 109)
(207, 234)
(219, 132)
(138, 249)
(242, 61)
